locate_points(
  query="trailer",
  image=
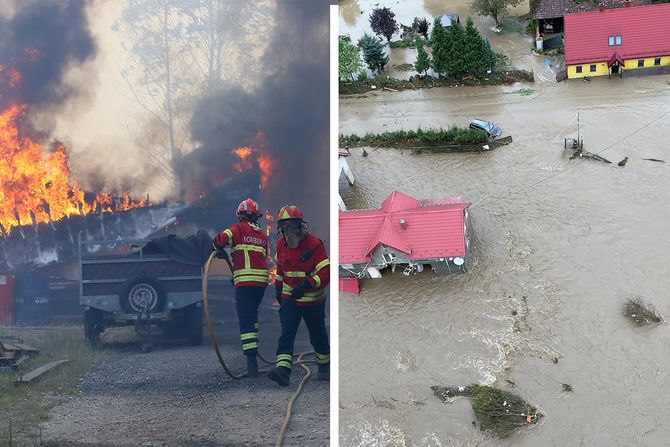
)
(153, 283)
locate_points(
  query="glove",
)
(299, 291)
(278, 294)
(220, 252)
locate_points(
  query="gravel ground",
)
(180, 396)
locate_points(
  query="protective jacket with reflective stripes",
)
(307, 262)
(249, 249)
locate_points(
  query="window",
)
(592, 68)
(610, 41)
(618, 40)
(578, 69)
(657, 61)
(388, 257)
(640, 63)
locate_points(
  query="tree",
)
(455, 36)
(489, 55)
(373, 53)
(349, 59)
(422, 60)
(382, 22)
(440, 48)
(496, 9)
(421, 26)
(473, 49)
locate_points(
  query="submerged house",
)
(629, 41)
(405, 231)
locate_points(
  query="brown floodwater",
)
(559, 246)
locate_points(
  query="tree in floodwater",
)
(373, 53)
(349, 59)
(474, 58)
(422, 59)
(440, 47)
(421, 26)
(496, 9)
(383, 23)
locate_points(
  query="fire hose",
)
(215, 343)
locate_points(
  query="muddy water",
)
(560, 243)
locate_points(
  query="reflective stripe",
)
(250, 278)
(321, 265)
(247, 261)
(230, 235)
(248, 336)
(322, 359)
(279, 277)
(285, 364)
(317, 281)
(248, 346)
(311, 299)
(295, 274)
(245, 247)
(288, 357)
(315, 294)
(250, 272)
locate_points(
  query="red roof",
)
(432, 229)
(349, 285)
(644, 31)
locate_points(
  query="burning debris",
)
(641, 312)
(497, 411)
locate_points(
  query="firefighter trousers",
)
(247, 301)
(290, 316)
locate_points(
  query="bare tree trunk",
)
(174, 150)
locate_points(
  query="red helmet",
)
(289, 212)
(249, 208)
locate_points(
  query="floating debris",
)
(654, 159)
(497, 411)
(641, 312)
(623, 162)
(567, 388)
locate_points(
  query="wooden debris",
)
(623, 162)
(32, 376)
(586, 154)
(389, 89)
(654, 159)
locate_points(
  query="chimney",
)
(601, 6)
(403, 224)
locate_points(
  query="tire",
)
(142, 290)
(193, 318)
(94, 325)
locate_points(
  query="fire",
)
(261, 158)
(35, 187)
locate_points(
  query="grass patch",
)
(409, 138)
(668, 82)
(408, 42)
(28, 406)
(404, 67)
(497, 411)
(641, 312)
(498, 77)
(522, 91)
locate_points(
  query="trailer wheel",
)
(193, 322)
(94, 325)
(140, 292)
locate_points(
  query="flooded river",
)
(559, 246)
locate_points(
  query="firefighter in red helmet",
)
(303, 272)
(249, 250)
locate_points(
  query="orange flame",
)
(261, 154)
(35, 187)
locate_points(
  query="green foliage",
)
(497, 411)
(407, 138)
(373, 53)
(349, 59)
(440, 42)
(456, 63)
(474, 58)
(407, 42)
(496, 9)
(489, 55)
(422, 59)
(421, 26)
(383, 23)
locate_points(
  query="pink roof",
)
(644, 31)
(349, 285)
(433, 229)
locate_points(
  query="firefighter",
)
(249, 249)
(303, 272)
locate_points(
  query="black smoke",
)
(42, 39)
(291, 107)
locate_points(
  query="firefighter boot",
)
(280, 375)
(324, 372)
(252, 366)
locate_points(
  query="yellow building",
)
(630, 40)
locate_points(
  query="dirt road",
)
(180, 396)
